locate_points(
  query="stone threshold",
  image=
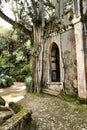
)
(54, 83)
(50, 92)
(55, 86)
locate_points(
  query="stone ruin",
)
(14, 120)
(63, 56)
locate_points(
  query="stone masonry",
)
(64, 50)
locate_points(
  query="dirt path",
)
(50, 113)
(14, 93)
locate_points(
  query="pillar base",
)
(82, 100)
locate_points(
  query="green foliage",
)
(29, 84)
(67, 6)
(26, 13)
(26, 69)
(5, 81)
(37, 94)
(19, 56)
(14, 58)
(4, 57)
(20, 72)
(81, 107)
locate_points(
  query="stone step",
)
(5, 115)
(50, 92)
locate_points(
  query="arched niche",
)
(54, 63)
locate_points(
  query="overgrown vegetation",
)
(15, 107)
(68, 98)
(5, 81)
(15, 62)
(29, 84)
(30, 18)
(78, 105)
(81, 107)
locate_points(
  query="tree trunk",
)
(37, 60)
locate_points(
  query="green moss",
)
(16, 118)
(20, 114)
(37, 94)
(74, 100)
(81, 108)
(68, 98)
(15, 107)
(2, 101)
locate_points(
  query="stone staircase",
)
(50, 92)
(54, 88)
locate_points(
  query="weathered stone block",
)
(5, 113)
(20, 121)
(2, 101)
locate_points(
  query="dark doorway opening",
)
(55, 63)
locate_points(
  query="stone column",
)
(57, 9)
(61, 8)
(76, 7)
(78, 30)
(85, 6)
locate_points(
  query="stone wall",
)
(72, 44)
(20, 121)
(69, 59)
(68, 64)
(72, 60)
(78, 30)
(84, 6)
(54, 38)
(85, 45)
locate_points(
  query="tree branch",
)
(15, 24)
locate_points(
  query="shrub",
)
(20, 78)
(20, 72)
(26, 69)
(29, 84)
(5, 81)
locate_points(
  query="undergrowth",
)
(74, 100)
(68, 98)
(37, 94)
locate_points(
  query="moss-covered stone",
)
(18, 121)
(5, 115)
(15, 107)
(82, 101)
(67, 97)
(2, 101)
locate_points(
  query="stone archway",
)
(55, 63)
(53, 52)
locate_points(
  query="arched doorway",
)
(55, 63)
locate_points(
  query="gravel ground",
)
(14, 93)
(52, 113)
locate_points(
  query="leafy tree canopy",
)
(27, 13)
